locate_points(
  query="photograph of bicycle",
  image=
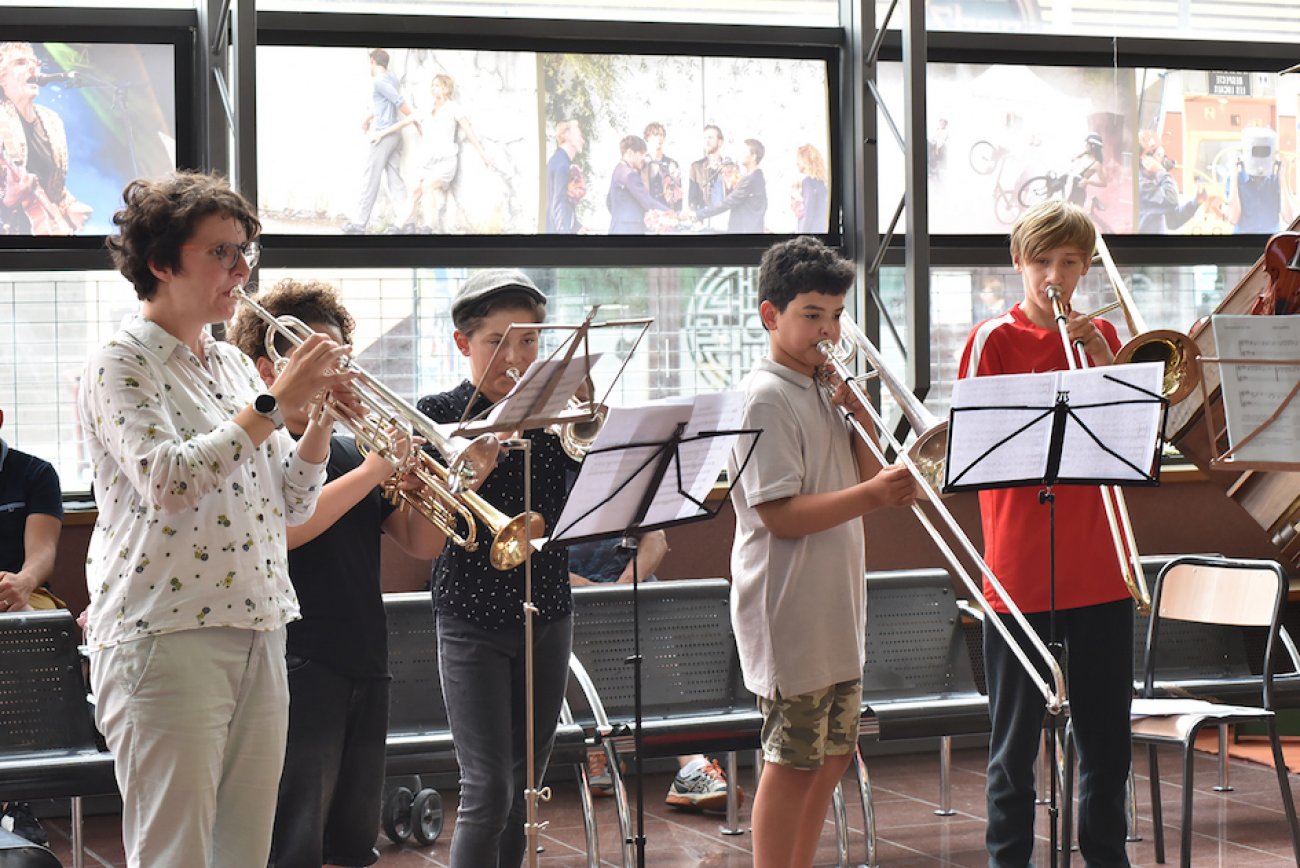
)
(1143, 150)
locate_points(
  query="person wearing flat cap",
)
(479, 610)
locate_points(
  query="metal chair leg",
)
(841, 826)
(588, 817)
(1189, 790)
(868, 806)
(620, 801)
(78, 841)
(1284, 782)
(945, 777)
(1157, 810)
(1134, 835)
(1223, 785)
(732, 826)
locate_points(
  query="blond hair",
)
(1050, 225)
(812, 160)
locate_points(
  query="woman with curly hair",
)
(187, 568)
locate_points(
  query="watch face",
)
(264, 403)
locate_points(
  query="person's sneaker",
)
(19, 819)
(599, 780)
(353, 229)
(703, 789)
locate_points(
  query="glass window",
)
(802, 13)
(428, 141)
(705, 336)
(1145, 151)
(1262, 20)
(1166, 297)
(50, 322)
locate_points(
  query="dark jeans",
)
(333, 777)
(482, 675)
(1098, 644)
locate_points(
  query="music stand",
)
(651, 469)
(538, 401)
(1094, 426)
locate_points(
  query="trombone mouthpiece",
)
(1054, 292)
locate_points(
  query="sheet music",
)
(524, 400)
(1131, 430)
(612, 481)
(1000, 431)
(989, 413)
(1252, 393)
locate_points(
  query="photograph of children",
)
(77, 122)
(1226, 142)
(404, 141)
(683, 145)
(1003, 138)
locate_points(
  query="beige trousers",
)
(197, 723)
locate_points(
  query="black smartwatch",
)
(266, 405)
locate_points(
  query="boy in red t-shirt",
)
(1051, 245)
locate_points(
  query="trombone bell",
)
(1175, 350)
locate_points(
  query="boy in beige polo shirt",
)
(798, 598)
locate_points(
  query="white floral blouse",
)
(192, 516)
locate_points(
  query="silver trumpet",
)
(445, 497)
(931, 446)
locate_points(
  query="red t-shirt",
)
(1016, 525)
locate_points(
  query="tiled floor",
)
(1245, 827)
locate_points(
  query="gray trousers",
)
(382, 160)
(482, 675)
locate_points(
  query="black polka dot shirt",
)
(465, 583)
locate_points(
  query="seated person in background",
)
(700, 783)
(31, 517)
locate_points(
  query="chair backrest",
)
(42, 691)
(1245, 594)
(916, 645)
(688, 651)
(415, 702)
(1230, 593)
(1190, 651)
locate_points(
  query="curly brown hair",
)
(160, 215)
(315, 302)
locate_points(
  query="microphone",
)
(67, 79)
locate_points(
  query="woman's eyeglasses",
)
(228, 254)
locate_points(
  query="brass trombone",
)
(445, 497)
(932, 433)
(1112, 496)
(1175, 350)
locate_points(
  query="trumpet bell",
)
(510, 541)
(1175, 350)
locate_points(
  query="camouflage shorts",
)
(801, 731)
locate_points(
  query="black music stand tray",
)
(1008, 436)
(649, 488)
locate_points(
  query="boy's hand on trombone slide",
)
(894, 486)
